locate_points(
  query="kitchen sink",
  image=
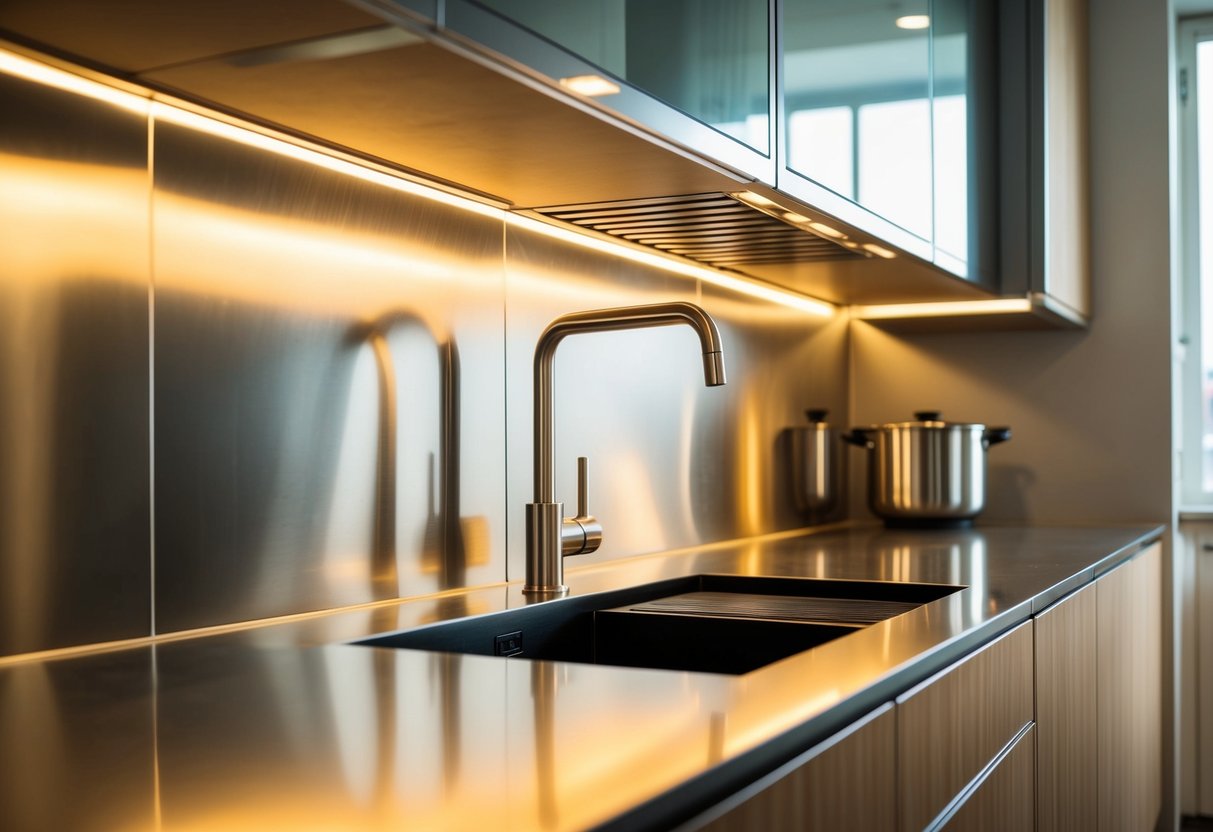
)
(706, 623)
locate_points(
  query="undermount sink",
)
(704, 623)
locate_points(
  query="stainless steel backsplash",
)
(339, 381)
(75, 561)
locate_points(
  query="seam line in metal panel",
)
(151, 374)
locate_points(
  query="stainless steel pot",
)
(816, 484)
(927, 472)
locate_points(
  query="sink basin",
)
(705, 623)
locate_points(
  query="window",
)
(1196, 193)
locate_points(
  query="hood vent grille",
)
(715, 229)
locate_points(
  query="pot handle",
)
(858, 436)
(992, 436)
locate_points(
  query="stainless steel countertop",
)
(286, 727)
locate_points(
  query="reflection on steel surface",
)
(75, 561)
(269, 393)
(443, 546)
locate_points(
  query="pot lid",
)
(930, 420)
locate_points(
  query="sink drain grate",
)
(778, 607)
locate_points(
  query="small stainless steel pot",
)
(927, 472)
(816, 483)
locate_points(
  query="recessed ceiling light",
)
(592, 85)
(913, 21)
(792, 216)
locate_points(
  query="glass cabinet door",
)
(857, 104)
(708, 58)
(964, 122)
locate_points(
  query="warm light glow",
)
(826, 230)
(12, 64)
(591, 85)
(757, 201)
(645, 257)
(879, 251)
(999, 306)
(272, 144)
(913, 21)
(794, 217)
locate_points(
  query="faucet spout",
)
(544, 557)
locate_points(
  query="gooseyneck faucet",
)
(550, 536)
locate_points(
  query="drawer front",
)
(953, 725)
(1005, 801)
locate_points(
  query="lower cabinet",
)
(953, 726)
(1099, 702)
(1129, 704)
(1066, 691)
(847, 782)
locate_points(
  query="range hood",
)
(404, 95)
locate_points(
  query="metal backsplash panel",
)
(329, 387)
(671, 463)
(75, 565)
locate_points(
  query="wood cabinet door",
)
(1065, 714)
(847, 782)
(1005, 800)
(953, 725)
(1129, 700)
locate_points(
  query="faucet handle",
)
(583, 486)
(582, 534)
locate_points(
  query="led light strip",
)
(997, 306)
(39, 73)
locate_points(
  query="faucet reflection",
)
(550, 535)
(443, 540)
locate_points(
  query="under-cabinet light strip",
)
(272, 144)
(231, 129)
(49, 76)
(997, 306)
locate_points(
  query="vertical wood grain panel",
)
(1065, 713)
(1067, 259)
(1129, 608)
(952, 726)
(1005, 800)
(849, 785)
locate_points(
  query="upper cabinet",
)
(696, 71)
(1043, 155)
(888, 120)
(868, 153)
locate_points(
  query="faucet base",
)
(544, 558)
